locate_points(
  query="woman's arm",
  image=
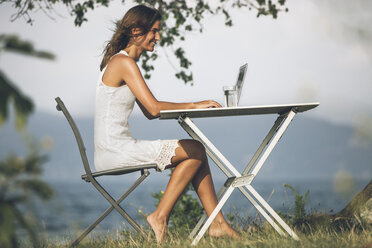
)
(202, 104)
(150, 106)
(144, 111)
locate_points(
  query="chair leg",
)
(93, 225)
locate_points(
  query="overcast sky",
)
(321, 50)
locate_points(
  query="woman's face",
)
(149, 40)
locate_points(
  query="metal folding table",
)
(235, 179)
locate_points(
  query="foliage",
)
(9, 93)
(20, 182)
(20, 185)
(23, 105)
(13, 43)
(186, 211)
(299, 205)
(179, 18)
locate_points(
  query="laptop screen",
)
(240, 81)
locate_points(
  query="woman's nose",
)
(157, 36)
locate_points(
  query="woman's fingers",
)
(208, 104)
(218, 105)
(214, 104)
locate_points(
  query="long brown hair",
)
(139, 16)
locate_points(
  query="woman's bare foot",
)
(218, 229)
(159, 226)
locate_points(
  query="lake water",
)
(78, 204)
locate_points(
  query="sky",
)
(319, 51)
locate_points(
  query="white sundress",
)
(114, 146)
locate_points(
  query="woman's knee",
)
(194, 149)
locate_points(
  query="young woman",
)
(119, 86)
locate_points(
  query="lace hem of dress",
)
(168, 150)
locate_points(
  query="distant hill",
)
(309, 149)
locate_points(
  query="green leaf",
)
(299, 205)
(28, 226)
(13, 43)
(37, 187)
(11, 167)
(7, 225)
(9, 93)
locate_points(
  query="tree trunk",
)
(359, 206)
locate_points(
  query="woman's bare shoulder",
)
(124, 68)
(121, 60)
(118, 69)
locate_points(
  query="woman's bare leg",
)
(187, 164)
(190, 164)
(203, 185)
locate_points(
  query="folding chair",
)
(91, 178)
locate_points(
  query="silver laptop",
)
(240, 81)
(232, 93)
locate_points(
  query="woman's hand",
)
(207, 104)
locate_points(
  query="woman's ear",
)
(135, 32)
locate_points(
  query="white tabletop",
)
(234, 111)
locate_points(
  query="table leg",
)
(222, 201)
(229, 170)
(261, 211)
(266, 140)
(212, 151)
(272, 212)
(275, 139)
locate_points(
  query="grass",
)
(254, 236)
(314, 230)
